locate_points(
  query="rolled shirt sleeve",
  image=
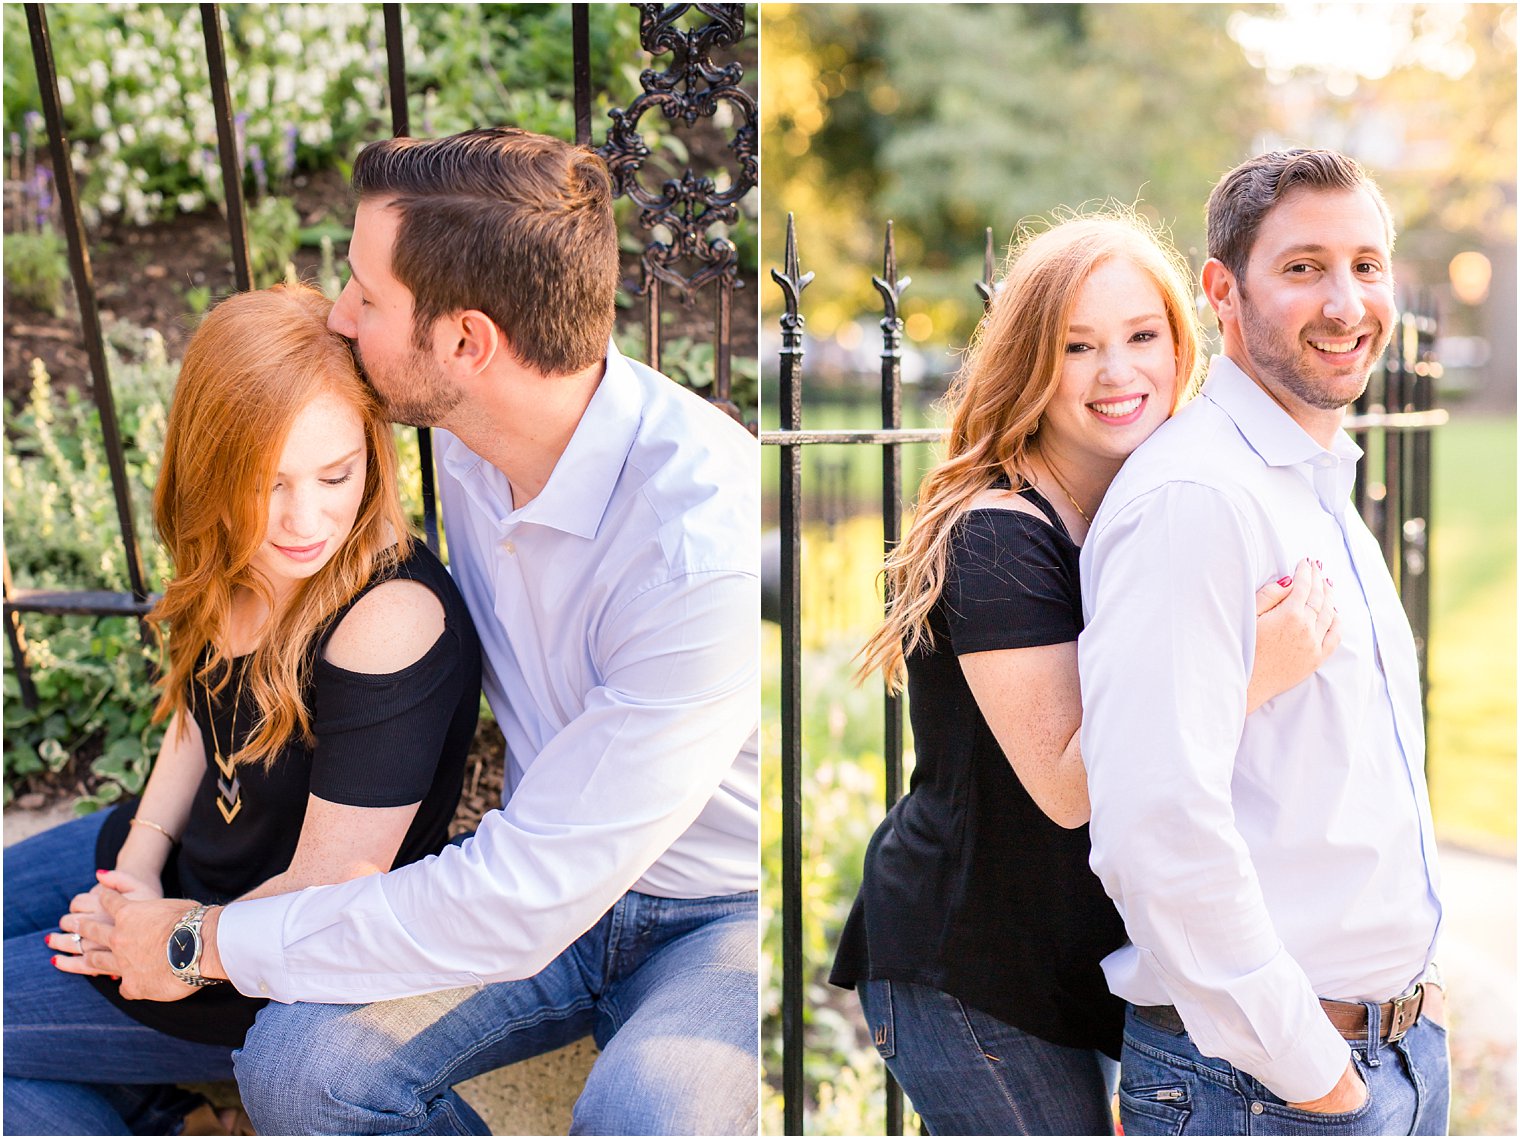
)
(601, 802)
(1169, 580)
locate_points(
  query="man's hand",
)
(1348, 1094)
(136, 936)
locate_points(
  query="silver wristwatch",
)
(186, 947)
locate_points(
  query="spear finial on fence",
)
(985, 287)
(793, 281)
(889, 286)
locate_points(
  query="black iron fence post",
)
(792, 282)
(890, 288)
(227, 149)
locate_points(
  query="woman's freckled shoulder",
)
(390, 627)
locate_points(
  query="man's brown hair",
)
(515, 224)
(1244, 197)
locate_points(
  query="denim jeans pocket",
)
(1270, 1108)
(1155, 1097)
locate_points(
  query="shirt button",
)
(263, 988)
(1256, 1108)
(509, 547)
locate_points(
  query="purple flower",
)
(291, 134)
(260, 173)
(42, 194)
(33, 121)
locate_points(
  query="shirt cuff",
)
(1311, 1068)
(249, 939)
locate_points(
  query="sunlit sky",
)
(1350, 42)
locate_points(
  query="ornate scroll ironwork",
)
(693, 87)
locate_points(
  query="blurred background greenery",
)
(948, 119)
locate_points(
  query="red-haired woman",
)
(322, 687)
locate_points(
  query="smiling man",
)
(1278, 881)
(603, 526)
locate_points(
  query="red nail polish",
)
(100, 873)
(53, 961)
(1285, 581)
(45, 940)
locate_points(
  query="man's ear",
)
(468, 341)
(1221, 289)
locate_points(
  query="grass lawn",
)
(1472, 638)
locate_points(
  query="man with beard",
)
(603, 526)
(1278, 881)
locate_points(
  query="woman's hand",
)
(1297, 628)
(70, 944)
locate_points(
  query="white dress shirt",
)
(1260, 862)
(618, 614)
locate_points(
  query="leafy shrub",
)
(91, 674)
(36, 267)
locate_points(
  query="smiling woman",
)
(322, 690)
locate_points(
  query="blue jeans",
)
(1170, 1088)
(58, 1027)
(968, 1073)
(668, 988)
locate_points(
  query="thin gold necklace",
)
(1075, 504)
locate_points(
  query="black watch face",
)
(181, 949)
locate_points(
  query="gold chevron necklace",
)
(229, 792)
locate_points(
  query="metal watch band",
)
(191, 973)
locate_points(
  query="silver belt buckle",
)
(1406, 1010)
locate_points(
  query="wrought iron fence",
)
(1391, 422)
(683, 218)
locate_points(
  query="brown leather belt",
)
(1395, 1018)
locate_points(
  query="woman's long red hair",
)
(1009, 377)
(256, 361)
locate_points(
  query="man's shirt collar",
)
(1276, 437)
(580, 486)
(575, 498)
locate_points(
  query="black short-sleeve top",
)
(969, 887)
(382, 740)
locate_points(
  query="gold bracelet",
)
(150, 823)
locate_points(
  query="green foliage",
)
(307, 81)
(472, 65)
(274, 232)
(61, 531)
(37, 267)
